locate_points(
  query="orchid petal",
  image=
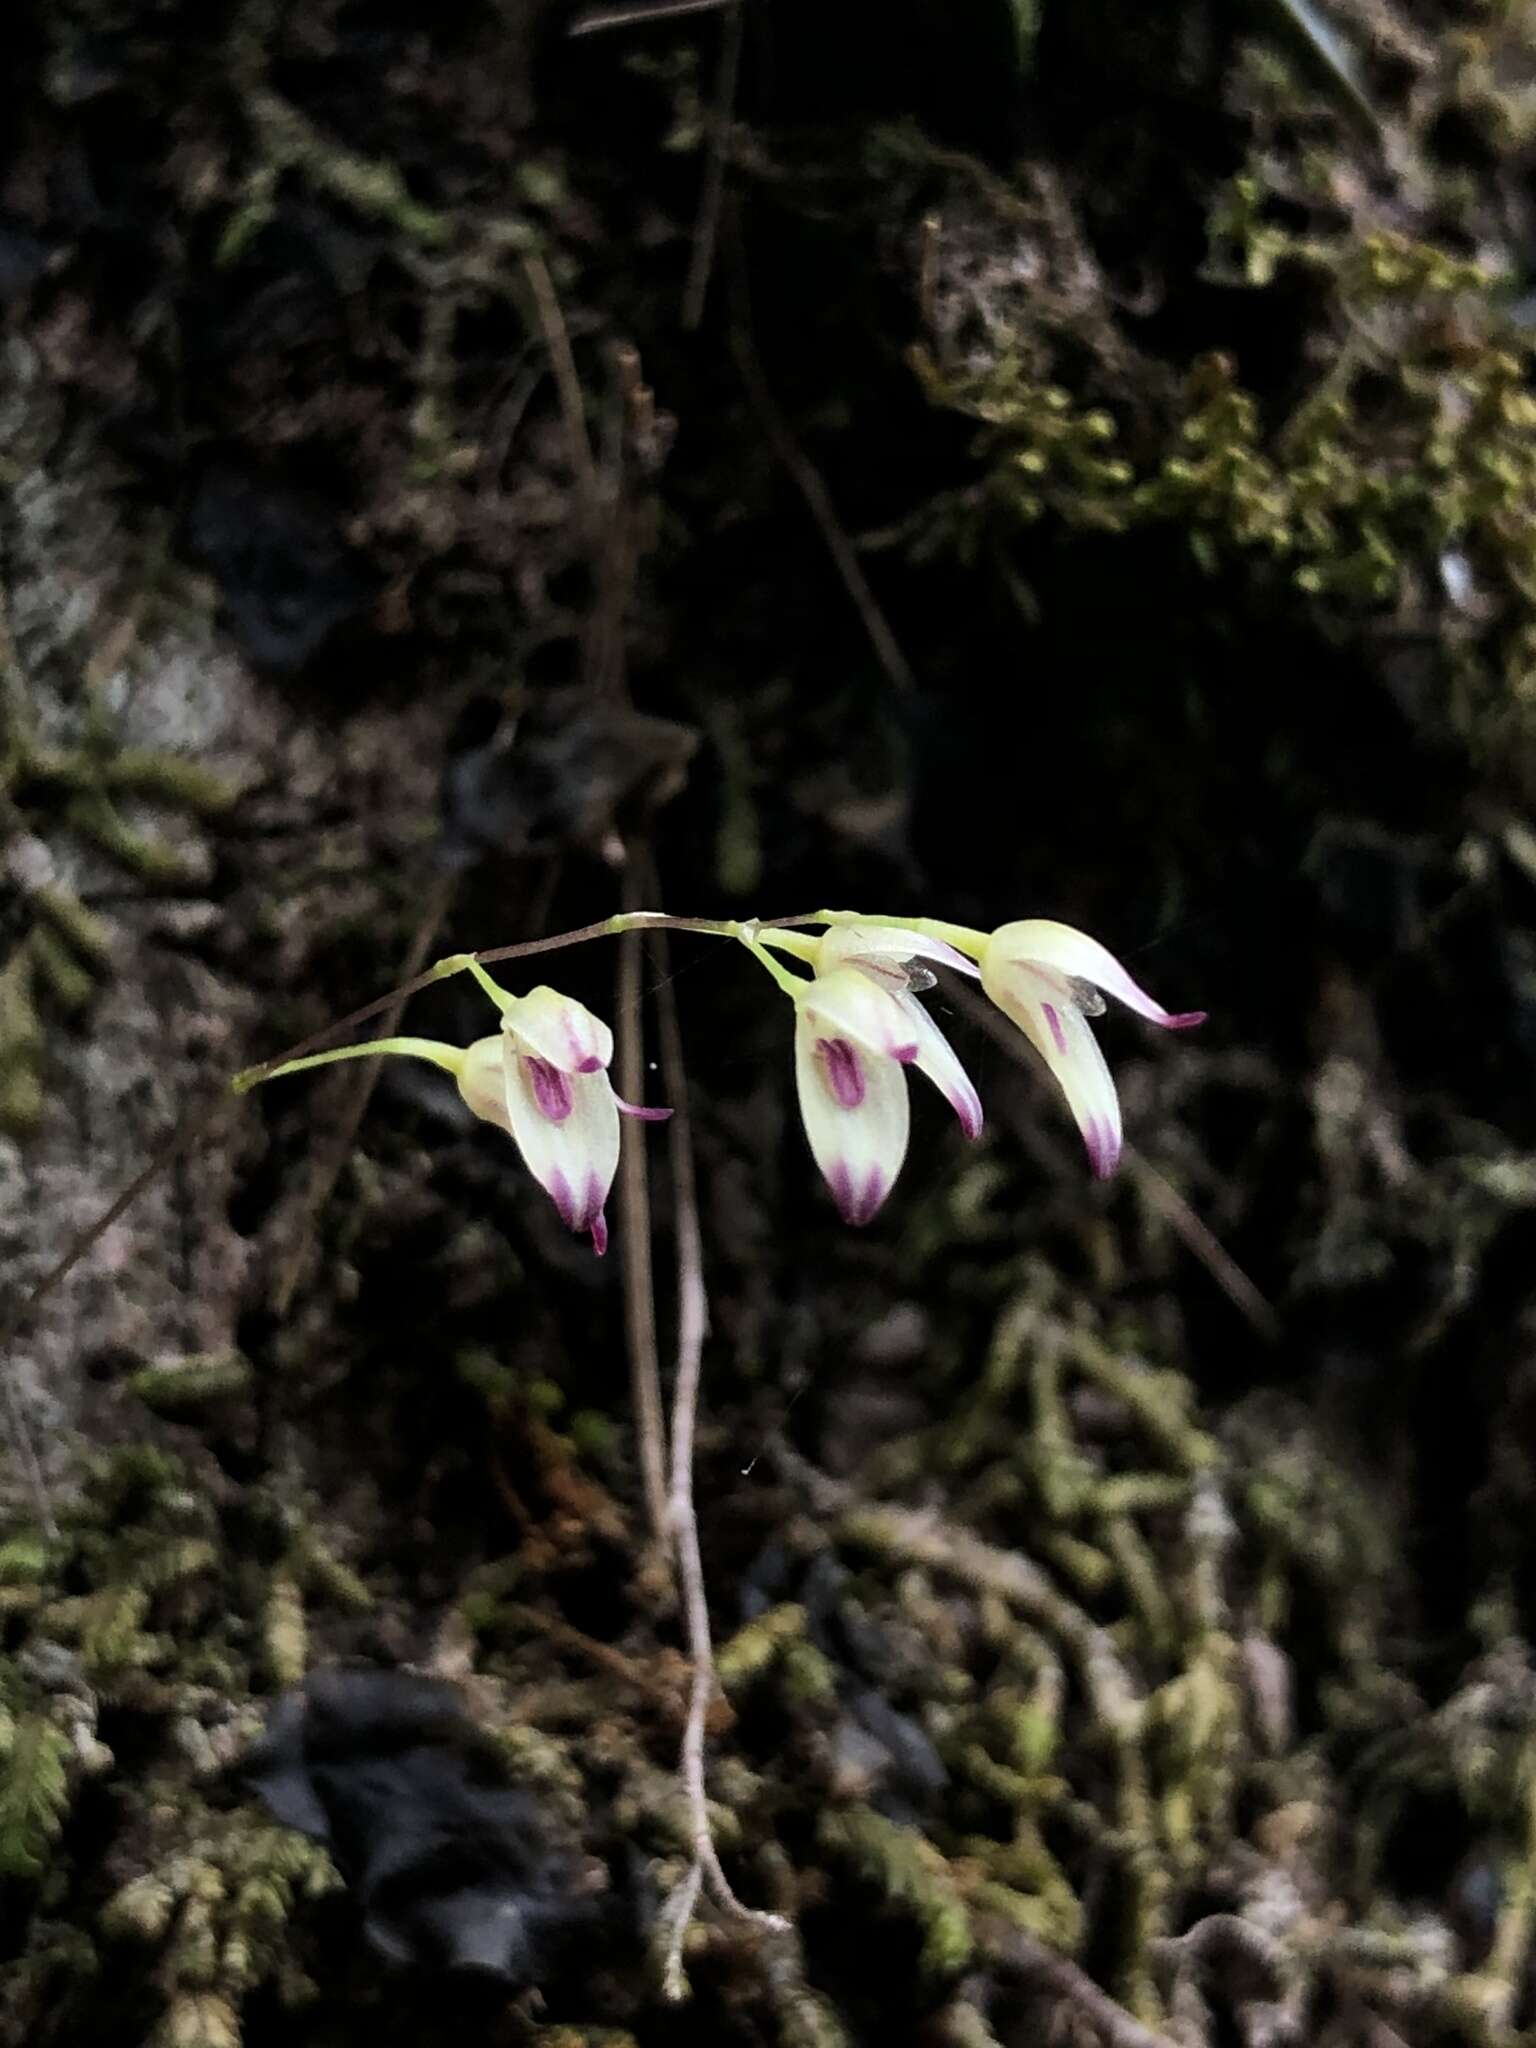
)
(1041, 1003)
(884, 949)
(937, 1058)
(858, 1134)
(482, 1081)
(1042, 942)
(560, 1030)
(640, 1110)
(848, 1004)
(574, 1156)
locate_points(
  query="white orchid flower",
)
(543, 1080)
(858, 1023)
(1046, 977)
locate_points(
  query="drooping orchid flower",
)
(1047, 978)
(543, 1080)
(858, 1022)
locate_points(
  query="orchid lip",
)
(845, 1077)
(551, 1089)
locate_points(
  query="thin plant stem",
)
(524, 949)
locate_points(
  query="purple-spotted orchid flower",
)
(858, 1023)
(1047, 978)
(543, 1079)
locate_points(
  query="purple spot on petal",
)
(1103, 1147)
(584, 1059)
(968, 1109)
(1054, 1021)
(904, 1055)
(599, 1233)
(551, 1089)
(1186, 1020)
(564, 1199)
(845, 1076)
(856, 1202)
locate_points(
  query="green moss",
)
(752, 1650)
(34, 1793)
(910, 1873)
(178, 1385)
(62, 948)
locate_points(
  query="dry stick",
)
(1031, 1959)
(819, 499)
(337, 1150)
(1164, 1197)
(558, 341)
(692, 1327)
(1207, 1248)
(598, 18)
(706, 230)
(635, 1234)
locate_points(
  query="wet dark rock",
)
(453, 1867)
(565, 771)
(287, 578)
(24, 257)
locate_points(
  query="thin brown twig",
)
(692, 1328)
(558, 341)
(706, 231)
(1198, 1237)
(635, 15)
(334, 1154)
(603, 1655)
(812, 487)
(635, 1236)
(1031, 1959)
(490, 956)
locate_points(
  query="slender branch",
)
(523, 949)
(707, 227)
(812, 487)
(692, 1328)
(558, 341)
(1199, 1239)
(1032, 1960)
(636, 14)
(635, 1228)
(326, 1170)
